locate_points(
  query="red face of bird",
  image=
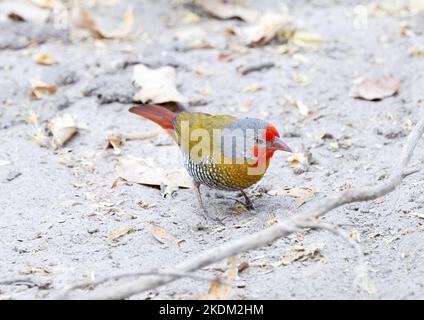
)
(269, 142)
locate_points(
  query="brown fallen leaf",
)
(45, 59)
(120, 233)
(146, 171)
(226, 10)
(63, 128)
(268, 26)
(85, 19)
(40, 89)
(157, 85)
(219, 290)
(115, 182)
(159, 233)
(375, 89)
(299, 193)
(243, 266)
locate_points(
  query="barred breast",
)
(227, 177)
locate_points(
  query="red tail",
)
(158, 114)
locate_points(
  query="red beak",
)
(278, 144)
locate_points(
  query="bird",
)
(219, 151)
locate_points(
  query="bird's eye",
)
(259, 141)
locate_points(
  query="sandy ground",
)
(57, 207)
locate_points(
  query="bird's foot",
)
(247, 203)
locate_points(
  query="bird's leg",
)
(202, 206)
(248, 202)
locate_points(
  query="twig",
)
(256, 68)
(24, 281)
(84, 284)
(142, 136)
(273, 233)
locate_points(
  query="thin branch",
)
(85, 284)
(142, 136)
(275, 232)
(256, 68)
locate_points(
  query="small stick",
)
(256, 68)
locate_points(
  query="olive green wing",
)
(198, 134)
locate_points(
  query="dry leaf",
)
(84, 18)
(300, 194)
(243, 266)
(306, 39)
(24, 11)
(226, 10)
(219, 290)
(297, 160)
(45, 59)
(40, 89)
(300, 253)
(269, 26)
(120, 233)
(157, 85)
(63, 128)
(159, 233)
(114, 141)
(375, 89)
(147, 171)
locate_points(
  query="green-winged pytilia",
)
(220, 151)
